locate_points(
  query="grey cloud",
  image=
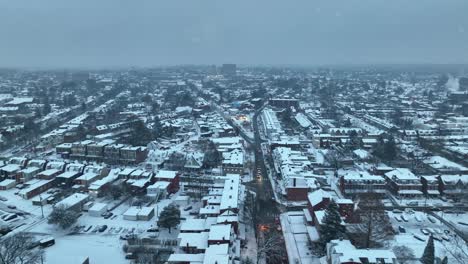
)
(104, 33)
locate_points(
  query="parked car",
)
(107, 215)
(9, 217)
(425, 231)
(153, 229)
(127, 236)
(47, 242)
(102, 228)
(187, 208)
(3, 199)
(11, 206)
(401, 229)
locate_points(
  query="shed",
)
(145, 213)
(131, 213)
(7, 184)
(98, 209)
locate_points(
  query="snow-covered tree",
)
(62, 217)
(332, 227)
(404, 254)
(428, 255)
(169, 217)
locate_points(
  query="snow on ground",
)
(460, 221)
(251, 244)
(99, 249)
(415, 222)
(71, 246)
(296, 238)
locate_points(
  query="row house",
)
(52, 169)
(402, 182)
(453, 186)
(91, 174)
(354, 183)
(133, 155)
(112, 153)
(233, 162)
(71, 172)
(79, 149)
(173, 177)
(35, 187)
(430, 185)
(104, 151)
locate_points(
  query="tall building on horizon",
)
(228, 69)
(463, 84)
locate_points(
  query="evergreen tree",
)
(428, 255)
(212, 155)
(157, 127)
(444, 260)
(390, 149)
(169, 217)
(332, 227)
(46, 108)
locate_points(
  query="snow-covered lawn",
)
(99, 249)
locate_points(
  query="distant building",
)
(284, 102)
(80, 76)
(228, 69)
(463, 84)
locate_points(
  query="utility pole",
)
(42, 209)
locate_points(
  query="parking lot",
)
(414, 228)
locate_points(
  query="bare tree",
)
(334, 158)
(373, 226)
(270, 247)
(404, 254)
(457, 250)
(19, 249)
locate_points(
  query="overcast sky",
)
(106, 33)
